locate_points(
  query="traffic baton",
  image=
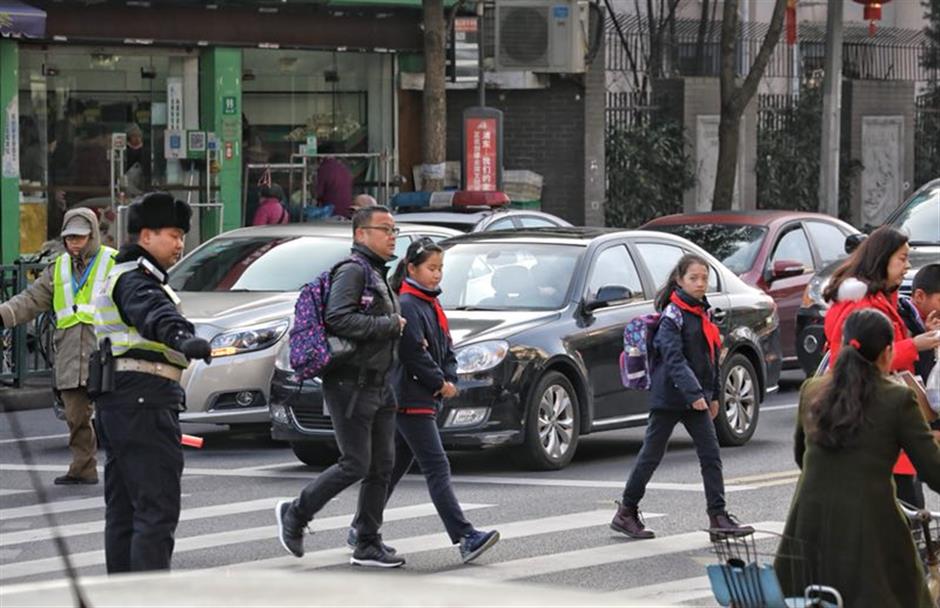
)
(191, 441)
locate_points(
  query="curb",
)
(33, 396)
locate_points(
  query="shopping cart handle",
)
(191, 441)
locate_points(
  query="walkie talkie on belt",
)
(101, 370)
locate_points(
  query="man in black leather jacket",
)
(358, 393)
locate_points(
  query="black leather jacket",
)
(376, 329)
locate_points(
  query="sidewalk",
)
(36, 393)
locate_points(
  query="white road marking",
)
(64, 506)
(669, 593)
(12, 492)
(217, 539)
(37, 438)
(597, 556)
(775, 408)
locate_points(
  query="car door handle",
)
(719, 315)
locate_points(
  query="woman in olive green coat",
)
(852, 424)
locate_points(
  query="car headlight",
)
(248, 339)
(813, 294)
(481, 357)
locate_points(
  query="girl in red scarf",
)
(428, 375)
(684, 388)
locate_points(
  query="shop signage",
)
(482, 139)
(228, 104)
(212, 142)
(463, 51)
(196, 141)
(175, 144)
(119, 141)
(11, 139)
(174, 102)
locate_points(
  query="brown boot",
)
(726, 524)
(627, 521)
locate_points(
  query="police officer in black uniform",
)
(144, 346)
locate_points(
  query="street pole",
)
(482, 82)
(832, 113)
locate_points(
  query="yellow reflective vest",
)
(73, 307)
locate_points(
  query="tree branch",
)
(756, 72)
(729, 30)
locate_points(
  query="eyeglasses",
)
(389, 230)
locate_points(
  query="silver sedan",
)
(239, 290)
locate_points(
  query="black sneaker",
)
(374, 555)
(289, 530)
(352, 541)
(473, 545)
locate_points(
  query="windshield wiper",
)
(474, 308)
(923, 243)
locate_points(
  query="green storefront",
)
(261, 80)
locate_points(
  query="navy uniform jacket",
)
(683, 370)
(926, 359)
(144, 305)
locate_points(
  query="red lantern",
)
(872, 12)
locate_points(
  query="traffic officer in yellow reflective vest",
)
(66, 287)
(144, 346)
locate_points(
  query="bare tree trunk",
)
(434, 127)
(700, 39)
(735, 97)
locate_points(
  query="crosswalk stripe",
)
(669, 593)
(597, 556)
(433, 542)
(37, 438)
(271, 473)
(218, 539)
(12, 492)
(97, 527)
(62, 506)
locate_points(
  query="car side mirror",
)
(607, 296)
(853, 241)
(783, 269)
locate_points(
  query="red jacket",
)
(853, 296)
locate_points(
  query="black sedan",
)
(537, 318)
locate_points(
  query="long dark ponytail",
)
(672, 283)
(417, 254)
(836, 414)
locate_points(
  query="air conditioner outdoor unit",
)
(540, 35)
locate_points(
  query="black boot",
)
(627, 521)
(726, 524)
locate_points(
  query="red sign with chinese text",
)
(481, 154)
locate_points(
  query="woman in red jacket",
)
(870, 278)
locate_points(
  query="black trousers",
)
(910, 490)
(366, 441)
(141, 486)
(700, 427)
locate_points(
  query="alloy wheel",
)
(556, 421)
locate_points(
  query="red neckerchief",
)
(441, 317)
(711, 331)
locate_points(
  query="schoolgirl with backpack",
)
(684, 352)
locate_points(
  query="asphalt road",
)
(554, 525)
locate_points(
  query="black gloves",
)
(196, 348)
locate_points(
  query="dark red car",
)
(776, 251)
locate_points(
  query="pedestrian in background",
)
(66, 288)
(870, 278)
(852, 424)
(358, 393)
(684, 388)
(334, 182)
(427, 376)
(137, 322)
(921, 313)
(271, 208)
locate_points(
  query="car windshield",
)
(735, 245)
(918, 219)
(257, 263)
(507, 276)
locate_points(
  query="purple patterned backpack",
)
(312, 350)
(636, 366)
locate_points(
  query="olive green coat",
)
(845, 507)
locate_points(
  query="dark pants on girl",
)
(418, 440)
(700, 427)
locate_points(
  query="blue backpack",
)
(312, 350)
(636, 360)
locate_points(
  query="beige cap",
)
(76, 226)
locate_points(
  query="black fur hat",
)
(158, 210)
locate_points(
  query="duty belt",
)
(164, 370)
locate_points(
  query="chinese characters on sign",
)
(481, 154)
(11, 139)
(174, 100)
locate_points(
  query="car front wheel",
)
(740, 402)
(553, 424)
(314, 454)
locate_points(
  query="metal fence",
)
(27, 348)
